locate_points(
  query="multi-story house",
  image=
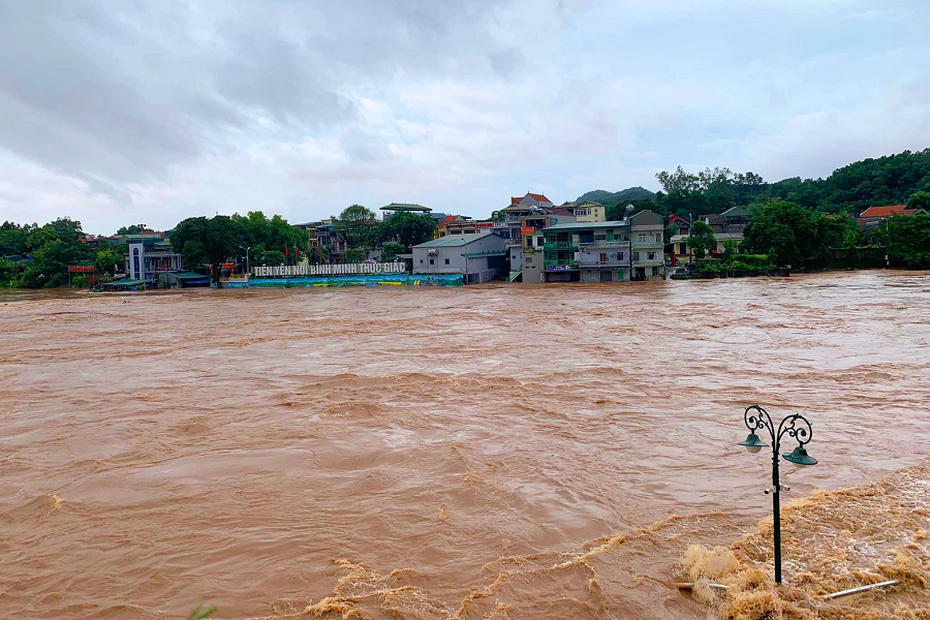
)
(587, 252)
(530, 258)
(727, 226)
(647, 239)
(325, 233)
(590, 212)
(150, 258)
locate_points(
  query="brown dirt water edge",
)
(481, 452)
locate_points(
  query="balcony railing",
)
(605, 243)
(561, 245)
(561, 261)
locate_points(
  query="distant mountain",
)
(610, 199)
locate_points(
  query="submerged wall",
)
(359, 280)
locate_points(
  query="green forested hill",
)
(609, 199)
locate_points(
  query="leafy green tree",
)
(134, 229)
(317, 255)
(390, 250)
(79, 281)
(215, 240)
(355, 224)
(702, 240)
(785, 230)
(919, 200)
(909, 241)
(407, 229)
(272, 257)
(108, 260)
(13, 238)
(354, 255)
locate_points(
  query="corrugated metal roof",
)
(587, 225)
(187, 275)
(124, 282)
(451, 241)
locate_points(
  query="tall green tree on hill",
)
(919, 200)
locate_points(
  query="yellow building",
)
(590, 212)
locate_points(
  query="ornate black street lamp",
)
(795, 426)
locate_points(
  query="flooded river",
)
(405, 452)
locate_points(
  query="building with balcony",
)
(325, 234)
(533, 241)
(647, 241)
(150, 258)
(587, 252)
(478, 257)
(727, 226)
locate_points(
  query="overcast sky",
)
(117, 112)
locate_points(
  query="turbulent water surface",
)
(494, 451)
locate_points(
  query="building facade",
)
(727, 226)
(587, 252)
(647, 240)
(590, 212)
(150, 258)
(478, 257)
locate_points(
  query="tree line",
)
(804, 223)
(33, 256)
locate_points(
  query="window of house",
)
(432, 262)
(600, 237)
(650, 255)
(529, 260)
(447, 261)
(635, 255)
(659, 237)
(683, 248)
(539, 242)
(529, 242)
(642, 237)
(603, 257)
(619, 255)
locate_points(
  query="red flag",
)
(285, 250)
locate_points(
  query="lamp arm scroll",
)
(760, 418)
(789, 426)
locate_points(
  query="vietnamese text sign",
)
(558, 267)
(346, 269)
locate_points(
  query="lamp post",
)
(242, 247)
(795, 426)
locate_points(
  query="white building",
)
(647, 237)
(478, 257)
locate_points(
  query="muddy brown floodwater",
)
(493, 451)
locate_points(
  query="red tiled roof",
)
(676, 218)
(887, 211)
(539, 197)
(449, 219)
(515, 200)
